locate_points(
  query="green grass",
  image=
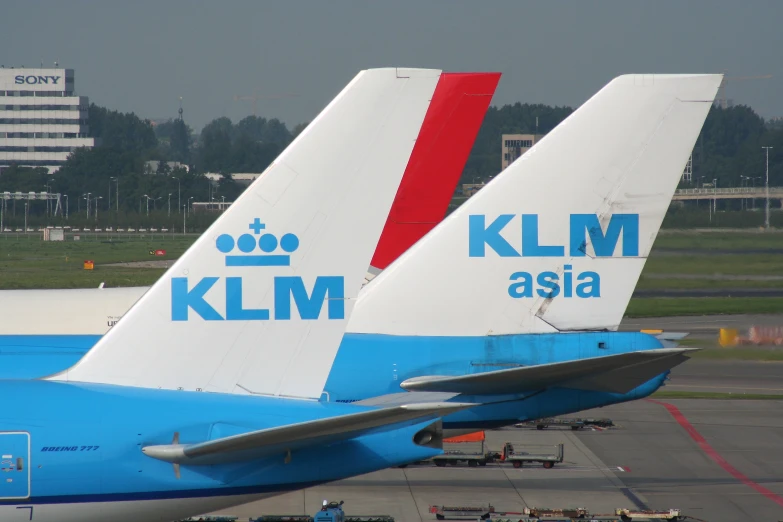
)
(739, 264)
(690, 240)
(28, 263)
(715, 396)
(648, 283)
(674, 306)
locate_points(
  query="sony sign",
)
(33, 79)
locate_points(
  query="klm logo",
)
(485, 237)
(258, 250)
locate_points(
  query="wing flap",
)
(580, 374)
(261, 443)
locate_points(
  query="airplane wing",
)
(614, 373)
(261, 443)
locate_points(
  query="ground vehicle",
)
(329, 512)
(518, 459)
(475, 453)
(471, 512)
(573, 423)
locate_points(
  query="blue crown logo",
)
(266, 243)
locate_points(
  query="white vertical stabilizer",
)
(558, 240)
(260, 302)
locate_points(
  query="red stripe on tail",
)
(436, 163)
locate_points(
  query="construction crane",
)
(255, 97)
(723, 102)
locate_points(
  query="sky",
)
(295, 56)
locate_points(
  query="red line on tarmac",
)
(714, 455)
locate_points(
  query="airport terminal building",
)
(41, 119)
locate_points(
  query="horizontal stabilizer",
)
(625, 379)
(400, 398)
(580, 374)
(672, 336)
(262, 443)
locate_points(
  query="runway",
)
(697, 375)
(701, 326)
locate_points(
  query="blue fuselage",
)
(71, 443)
(369, 365)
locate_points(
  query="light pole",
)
(87, 197)
(46, 187)
(169, 204)
(191, 198)
(184, 220)
(25, 217)
(116, 192)
(66, 206)
(715, 197)
(744, 180)
(753, 183)
(179, 192)
(96, 207)
(766, 191)
(148, 203)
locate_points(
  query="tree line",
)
(116, 175)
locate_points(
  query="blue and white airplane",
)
(157, 421)
(514, 299)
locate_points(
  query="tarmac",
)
(725, 464)
(719, 376)
(754, 377)
(701, 326)
(716, 460)
(582, 480)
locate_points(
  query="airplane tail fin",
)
(260, 302)
(558, 240)
(438, 158)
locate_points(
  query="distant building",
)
(514, 145)
(242, 178)
(41, 119)
(245, 178)
(687, 174)
(468, 189)
(155, 165)
(210, 206)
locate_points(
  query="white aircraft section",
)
(82, 311)
(86, 311)
(622, 152)
(348, 162)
